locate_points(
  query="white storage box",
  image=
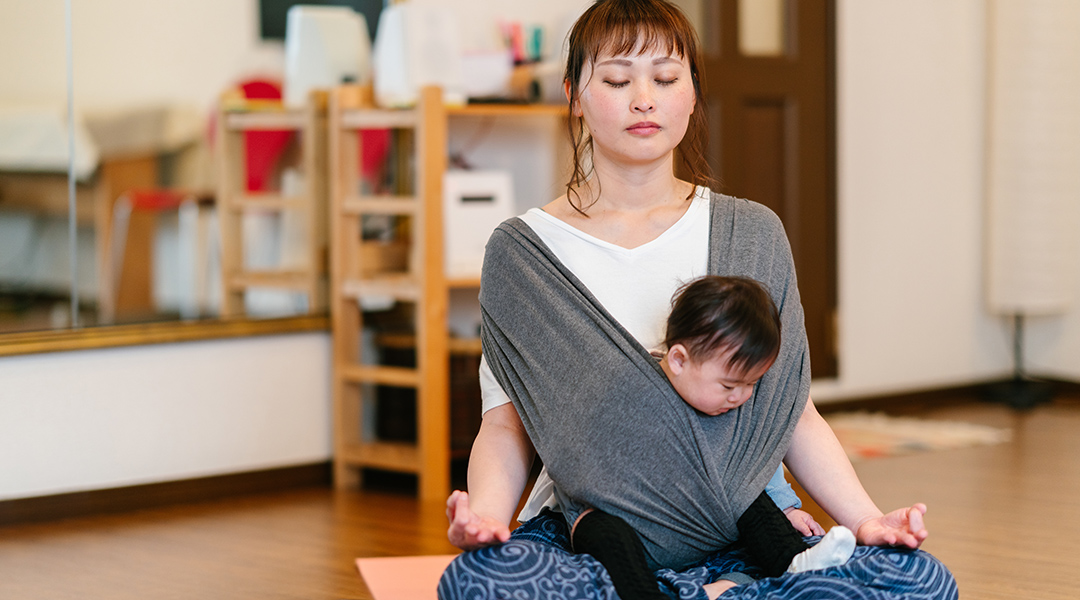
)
(474, 203)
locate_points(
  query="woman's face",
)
(636, 106)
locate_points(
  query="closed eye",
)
(667, 81)
(617, 84)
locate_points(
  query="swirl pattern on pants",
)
(537, 563)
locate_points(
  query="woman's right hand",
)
(470, 531)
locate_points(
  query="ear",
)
(678, 358)
(693, 105)
(575, 110)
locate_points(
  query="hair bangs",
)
(635, 30)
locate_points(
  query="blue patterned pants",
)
(537, 563)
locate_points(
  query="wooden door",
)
(773, 140)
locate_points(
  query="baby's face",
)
(713, 387)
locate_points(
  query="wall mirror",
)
(145, 82)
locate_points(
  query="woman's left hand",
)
(901, 527)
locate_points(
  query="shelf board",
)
(267, 202)
(404, 341)
(381, 205)
(465, 346)
(400, 287)
(265, 119)
(392, 456)
(367, 118)
(374, 118)
(509, 110)
(380, 375)
(298, 280)
(463, 282)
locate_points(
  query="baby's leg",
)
(612, 542)
(834, 549)
(779, 548)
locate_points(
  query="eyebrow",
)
(625, 62)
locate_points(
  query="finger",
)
(818, 529)
(503, 534)
(451, 505)
(462, 514)
(452, 501)
(915, 519)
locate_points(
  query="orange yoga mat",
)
(403, 577)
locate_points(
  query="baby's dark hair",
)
(712, 314)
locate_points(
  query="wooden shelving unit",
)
(408, 274)
(234, 120)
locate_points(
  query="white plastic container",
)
(325, 46)
(417, 44)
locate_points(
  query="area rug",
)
(873, 435)
(403, 577)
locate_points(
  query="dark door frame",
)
(773, 140)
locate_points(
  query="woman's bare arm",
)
(499, 465)
(820, 465)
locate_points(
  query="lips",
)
(644, 127)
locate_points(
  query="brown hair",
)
(620, 27)
(712, 314)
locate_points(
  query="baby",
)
(723, 334)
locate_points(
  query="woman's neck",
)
(626, 207)
(638, 188)
(626, 223)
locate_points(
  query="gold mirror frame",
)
(112, 336)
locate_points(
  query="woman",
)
(625, 235)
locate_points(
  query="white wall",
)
(104, 418)
(911, 109)
(128, 52)
(911, 115)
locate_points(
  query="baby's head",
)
(723, 334)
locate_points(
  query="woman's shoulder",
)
(742, 213)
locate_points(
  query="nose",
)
(741, 394)
(643, 100)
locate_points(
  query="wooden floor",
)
(1005, 519)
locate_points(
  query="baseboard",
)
(915, 402)
(905, 402)
(153, 495)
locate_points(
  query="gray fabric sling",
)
(608, 426)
